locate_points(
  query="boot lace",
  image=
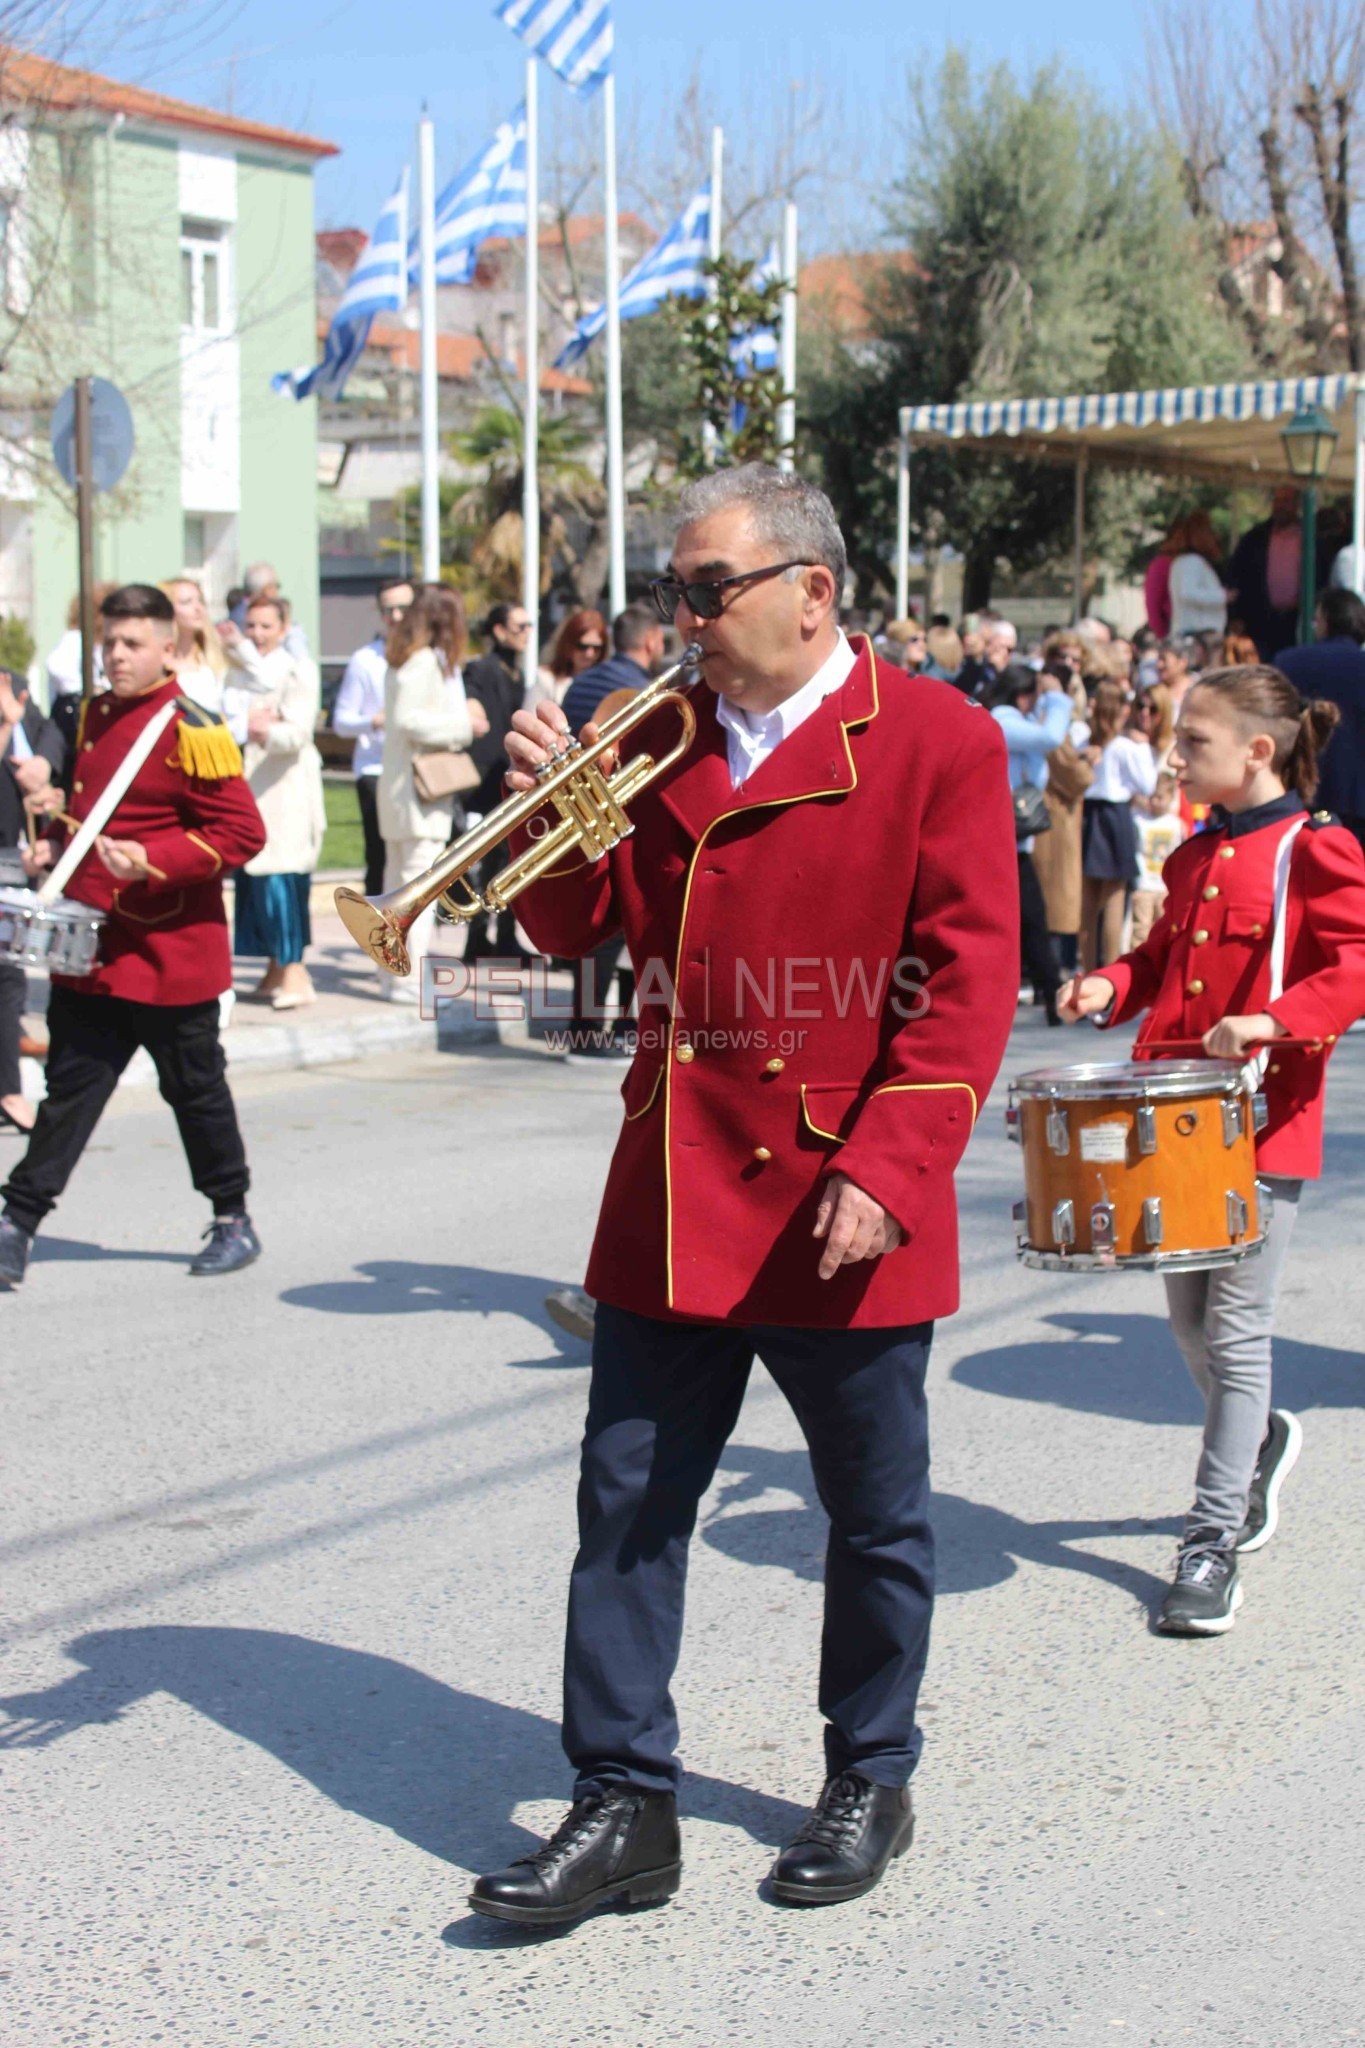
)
(1204, 1555)
(577, 1824)
(839, 1815)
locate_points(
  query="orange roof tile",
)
(28, 80)
(837, 287)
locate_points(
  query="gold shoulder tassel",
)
(209, 752)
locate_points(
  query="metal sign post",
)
(92, 445)
(85, 534)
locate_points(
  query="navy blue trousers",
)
(663, 1401)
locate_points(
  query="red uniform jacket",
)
(842, 933)
(163, 942)
(1208, 957)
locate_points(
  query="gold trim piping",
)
(213, 853)
(883, 1088)
(633, 1115)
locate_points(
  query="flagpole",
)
(709, 439)
(426, 213)
(616, 461)
(530, 495)
(786, 412)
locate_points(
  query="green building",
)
(169, 248)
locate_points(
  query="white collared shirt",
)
(750, 736)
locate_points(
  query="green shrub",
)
(17, 646)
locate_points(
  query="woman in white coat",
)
(284, 772)
(425, 711)
(1199, 602)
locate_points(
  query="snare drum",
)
(63, 937)
(1147, 1164)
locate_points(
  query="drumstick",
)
(74, 825)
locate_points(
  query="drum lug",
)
(1260, 1112)
(1064, 1222)
(1237, 1214)
(1058, 1132)
(1265, 1206)
(1102, 1226)
(1146, 1129)
(1019, 1213)
(1012, 1120)
(1232, 1119)
(1151, 1220)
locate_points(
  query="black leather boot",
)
(232, 1244)
(15, 1246)
(845, 1846)
(619, 1847)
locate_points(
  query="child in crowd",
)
(1125, 767)
(1262, 938)
(1160, 830)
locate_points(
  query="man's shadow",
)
(378, 1738)
(395, 1287)
(1127, 1367)
(975, 1546)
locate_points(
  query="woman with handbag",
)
(428, 725)
(1034, 713)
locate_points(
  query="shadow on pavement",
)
(438, 1767)
(1127, 1367)
(975, 1546)
(393, 1287)
(70, 1250)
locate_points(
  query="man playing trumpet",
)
(827, 968)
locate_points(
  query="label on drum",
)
(1105, 1144)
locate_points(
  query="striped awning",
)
(1221, 430)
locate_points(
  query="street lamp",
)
(1309, 441)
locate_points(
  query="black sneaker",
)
(232, 1244)
(15, 1246)
(1279, 1453)
(1206, 1595)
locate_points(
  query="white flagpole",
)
(530, 497)
(903, 515)
(786, 412)
(426, 214)
(708, 435)
(616, 460)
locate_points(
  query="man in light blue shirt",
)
(358, 714)
(1034, 713)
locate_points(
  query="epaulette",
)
(1318, 819)
(207, 749)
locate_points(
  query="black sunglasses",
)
(704, 600)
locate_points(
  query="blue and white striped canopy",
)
(573, 36)
(1219, 428)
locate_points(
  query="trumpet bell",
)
(375, 930)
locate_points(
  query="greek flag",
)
(488, 197)
(378, 284)
(573, 36)
(671, 270)
(756, 351)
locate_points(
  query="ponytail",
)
(1263, 699)
(1317, 722)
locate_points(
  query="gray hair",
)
(260, 577)
(788, 514)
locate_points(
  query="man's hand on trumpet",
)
(539, 736)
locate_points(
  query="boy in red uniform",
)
(1262, 938)
(156, 875)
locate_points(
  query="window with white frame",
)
(204, 281)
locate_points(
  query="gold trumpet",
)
(592, 817)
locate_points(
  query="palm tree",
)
(485, 520)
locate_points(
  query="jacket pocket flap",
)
(829, 1109)
(640, 1087)
(1246, 924)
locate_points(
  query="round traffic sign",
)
(111, 434)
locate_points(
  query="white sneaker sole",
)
(1293, 1445)
(1219, 1627)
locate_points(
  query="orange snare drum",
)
(1147, 1163)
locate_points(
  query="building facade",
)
(169, 249)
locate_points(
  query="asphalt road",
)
(284, 1562)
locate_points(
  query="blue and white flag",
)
(573, 36)
(757, 350)
(378, 284)
(671, 270)
(488, 197)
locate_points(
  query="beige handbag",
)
(443, 772)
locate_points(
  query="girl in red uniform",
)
(1262, 938)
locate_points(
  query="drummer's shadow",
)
(79, 1251)
(1127, 1367)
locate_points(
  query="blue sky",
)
(356, 73)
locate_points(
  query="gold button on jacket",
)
(686, 1052)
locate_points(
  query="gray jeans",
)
(1223, 1321)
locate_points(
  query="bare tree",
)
(1266, 106)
